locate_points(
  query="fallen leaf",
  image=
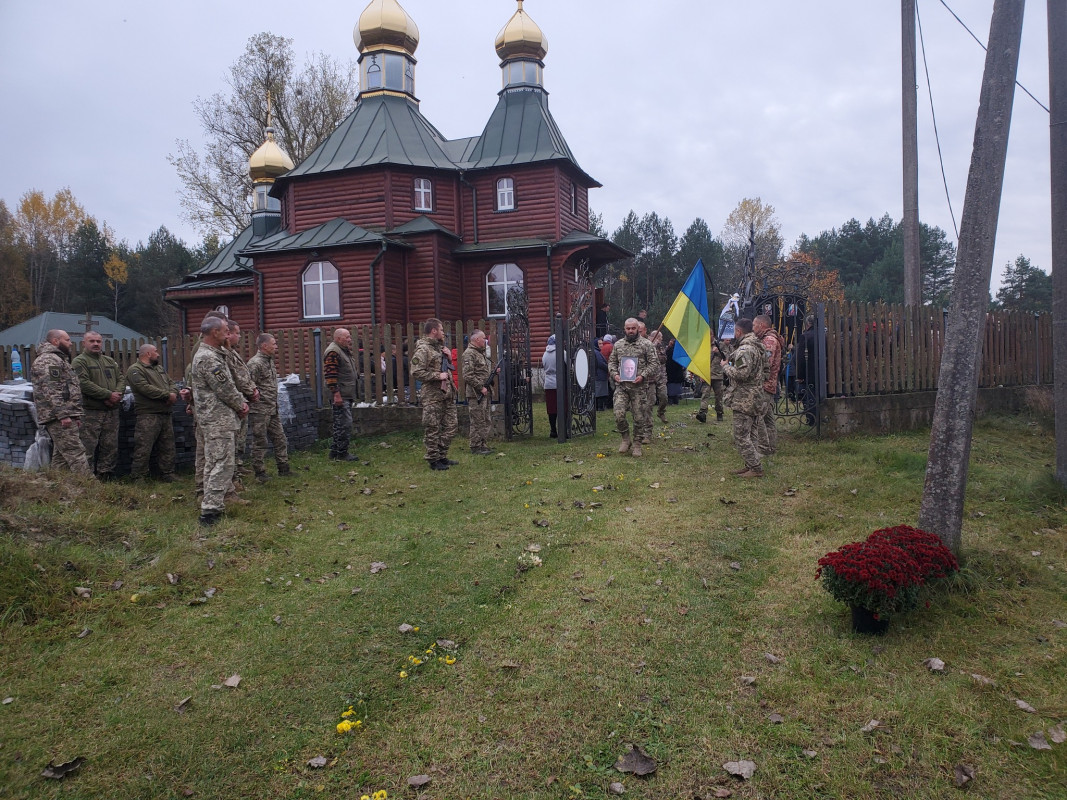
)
(1059, 623)
(790, 492)
(1023, 705)
(934, 664)
(1038, 741)
(318, 762)
(853, 491)
(446, 644)
(210, 592)
(1057, 734)
(541, 523)
(343, 526)
(654, 485)
(183, 704)
(405, 628)
(746, 680)
(576, 476)
(723, 793)
(579, 504)
(417, 781)
(83, 591)
(357, 590)
(772, 658)
(533, 548)
(636, 761)
(172, 579)
(742, 769)
(367, 490)
(616, 788)
(85, 632)
(982, 679)
(810, 753)
(776, 718)
(196, 601)
(377, 567)
(276, 619)
(870, 726)
(232, 681)
(510, 665)
(726, 502)
(735, 565)
(115, 586)
(964, 775)
(60, 771)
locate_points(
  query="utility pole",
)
(909, 116)
(1057, 83)
(941, 511)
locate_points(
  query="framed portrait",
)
(627, 369)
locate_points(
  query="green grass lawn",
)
(665, 584)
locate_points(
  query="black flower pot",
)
(864, 621)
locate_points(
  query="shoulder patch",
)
(53, 373)
(220, 374)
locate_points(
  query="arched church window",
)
(322, 297)
(497, 282)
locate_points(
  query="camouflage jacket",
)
(242, 379)
(642, 350)
(217, 399)
(716, 360)
(56, 391)
(426, 367)
(476, 370)
(773, 343)
(265, 376)
(98, 377)
(745, 369)
(152, 388)
(661, 357)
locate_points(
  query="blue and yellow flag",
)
(688, 321)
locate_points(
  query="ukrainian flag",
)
(688, 321)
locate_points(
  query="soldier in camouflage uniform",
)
(102, 385)
(476, 372)
(431, 364)
(643, 423)
(58, 399)
(631, 378)
(745, 369)
(714, 386)
(660, 385)
(340, 373)
(772, 341)
(219, 411)
(154, 395)
(264, 414)
(247, 387)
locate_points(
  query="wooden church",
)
(388, 221)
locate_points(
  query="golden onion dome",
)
(521, 37)
(384, 23)
(269, 161)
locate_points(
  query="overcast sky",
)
(675, 106)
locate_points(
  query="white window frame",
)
(315, 277)
(505, 194)
(513, 276)
(423, 194)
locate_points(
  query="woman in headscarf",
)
(548, 364)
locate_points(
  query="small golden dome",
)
(384, 23)
(521, 37)
(269, 161)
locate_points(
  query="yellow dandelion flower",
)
(528, 483)
(449, 660)
(429, 651)
(357, 723)
(599, 455)
(344, 726)
(416, 629)
(348, 713)
(403, 674)
(380, 795)
(365, 797)
(416, 661)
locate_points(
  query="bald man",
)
(340, 371)
(154, 394)
(57, 396)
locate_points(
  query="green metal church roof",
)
(335, 233)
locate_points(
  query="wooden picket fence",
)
(880, 349)
(870, 349)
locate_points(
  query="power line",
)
(933, 116)
(961, 22)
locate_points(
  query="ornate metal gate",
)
(579, 365)
(516, 387)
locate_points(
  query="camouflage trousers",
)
(100, 438)
(481, 417)
(632, 398)
(745, 434)
(342, 429)
(266, 426)
(713, 387)
(201, 459)
(440, 423)
(218, 471)
(767, 432)
(153, 430)
(67, 450)
(240, 444)
(643, 423)
(661, 395)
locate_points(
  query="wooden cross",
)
(88, 322)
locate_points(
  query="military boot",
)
(702, 416)
(262, 477)
(625, 446)
(636, 452)
(283, 470)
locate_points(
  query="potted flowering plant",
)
(883, 575)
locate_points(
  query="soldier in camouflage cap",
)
(102, 384)
(264, 413)
(219, 410)
(58, 398)
(745, 369)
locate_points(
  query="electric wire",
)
(961, 22)
(933, 116)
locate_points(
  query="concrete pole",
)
(941, 511)
(1057, 81)
(910, 222)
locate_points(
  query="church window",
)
(423, 194)
(321, 290)
(372, 73)
(505, 194)
(500, 278)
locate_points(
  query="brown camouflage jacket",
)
(265, 376)
(217, 399)
(745, 369)
(56, 391)
(476, 369)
